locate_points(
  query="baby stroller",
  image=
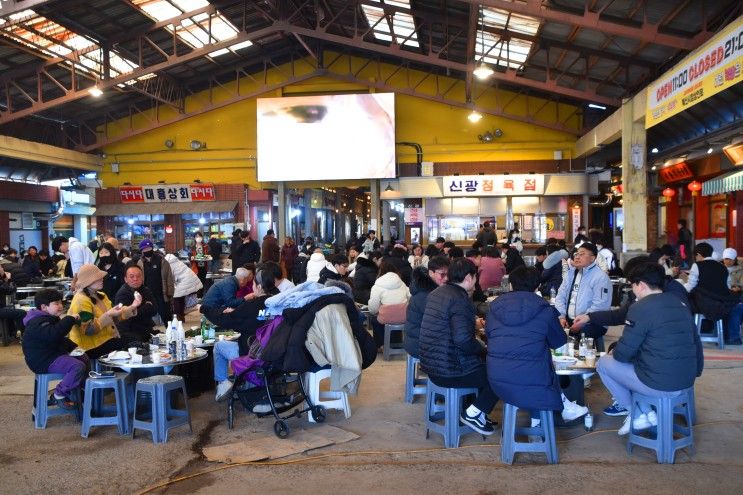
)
(282, 391)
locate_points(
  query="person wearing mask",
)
(245, 318)
(215, 250)
(659, 353)
(336, 269)
(492, 268)
(371, 243)
(586, 288)
(418, 258)
(46, 265)
(289, 253)
(199, 253)
(32, 263)
(387, 300)
(96, 330)
(114, 268)
(425, 280)
(12, 266)
(186, 283)
(270, 250)
(247, 252)
(683, 247)
(450, 352)
(522, 328)
(158, 278)
(367, 267)
(139, 325)
(487, 236)
(581, 237)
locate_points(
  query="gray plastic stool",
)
(451, 429)
(718, 336)
(41, 411)
(661, 438)
(413, 384)
(91, 416)
(390, 351)
(164, 417)
(545, 430)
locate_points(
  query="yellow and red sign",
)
(167, 193)
(713, 67)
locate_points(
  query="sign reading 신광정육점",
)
(167, 193)
(713, 67)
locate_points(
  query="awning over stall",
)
(732, 181)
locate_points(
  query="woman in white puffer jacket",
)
(315, 265)
(186, 283)
(388, 290)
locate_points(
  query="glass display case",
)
(453, 228)
(131, 230)
(221, 223)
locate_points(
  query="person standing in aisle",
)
(215, 250)
(289, 253)
(199, 251)
(270, 251)
(684, 245)
(158, 278)
(247, 252)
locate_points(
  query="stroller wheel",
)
(318, 414)
(281, 428)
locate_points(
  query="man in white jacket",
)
(77, 253)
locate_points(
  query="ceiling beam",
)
(649, 33)
(8, 7)
(44, 153)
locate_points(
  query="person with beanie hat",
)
(95, 331)
(158, 277)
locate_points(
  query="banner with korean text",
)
(711, 68)
(494, 185)
(167, 193)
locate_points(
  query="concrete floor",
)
(391, 455)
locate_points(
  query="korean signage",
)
(167, 193)
(675, 173)
(713, 67)
(494, 185)
(414, 212)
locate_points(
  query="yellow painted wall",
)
(230, 132)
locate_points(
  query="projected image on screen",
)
(326, 137)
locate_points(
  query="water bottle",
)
(582, 346)
(204, 328)
(588, 421)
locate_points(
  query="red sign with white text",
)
(167, 193)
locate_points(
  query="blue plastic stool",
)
(451, 429)
(545, 430)
(717, 337)
(413, 384)
(661, 438)
(91, 418)
(388, 350)
(164, 416)
(41, 411)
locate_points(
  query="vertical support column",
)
(586, 220)
(80, 228)
(308, 215)
(340, 220)
(509, 213)
(634, 181)
(385, 235)
(374, 189)
(282, 211)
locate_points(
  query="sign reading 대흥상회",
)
(494, 185)
(713, 67)
(167, 193)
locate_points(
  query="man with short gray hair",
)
(222, 295)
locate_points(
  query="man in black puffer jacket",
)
(364, 276)
(659, 353)
(450, 353)
(425, 280)
(18, 275)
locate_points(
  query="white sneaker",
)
(262, 408)
(641, 422)
(223, 390)
(652, 418)
(535, 422)
(625, 426)
(572, 411)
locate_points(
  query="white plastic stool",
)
(327, 399)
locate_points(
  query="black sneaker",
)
(478, 423)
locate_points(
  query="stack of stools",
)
(93, 412)
(41, 411)
(664, 441)
(164, 416)
(545, 430)
(414, 385)
(451, 429)
(390, 351)
(328, 399)
(717, 337)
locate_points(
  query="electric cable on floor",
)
(307, 460)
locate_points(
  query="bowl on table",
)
(563, 362)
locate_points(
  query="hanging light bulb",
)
(474, 117)
(483, 71)
(95, 91)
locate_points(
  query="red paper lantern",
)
(168, 229)
(695, 186)
(668, 192)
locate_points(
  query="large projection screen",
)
(326, 137)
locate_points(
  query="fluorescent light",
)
(709, 151)
(475, 116)
(597, 107)
(654, 150)
(483, 71)
(95, 91)
(653, 167)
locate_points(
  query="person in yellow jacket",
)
(96, 331)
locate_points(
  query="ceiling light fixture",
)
(95, 91)
(597, 107)
(709, 151)
(474, 117)
(483, 70)
(654, 150)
